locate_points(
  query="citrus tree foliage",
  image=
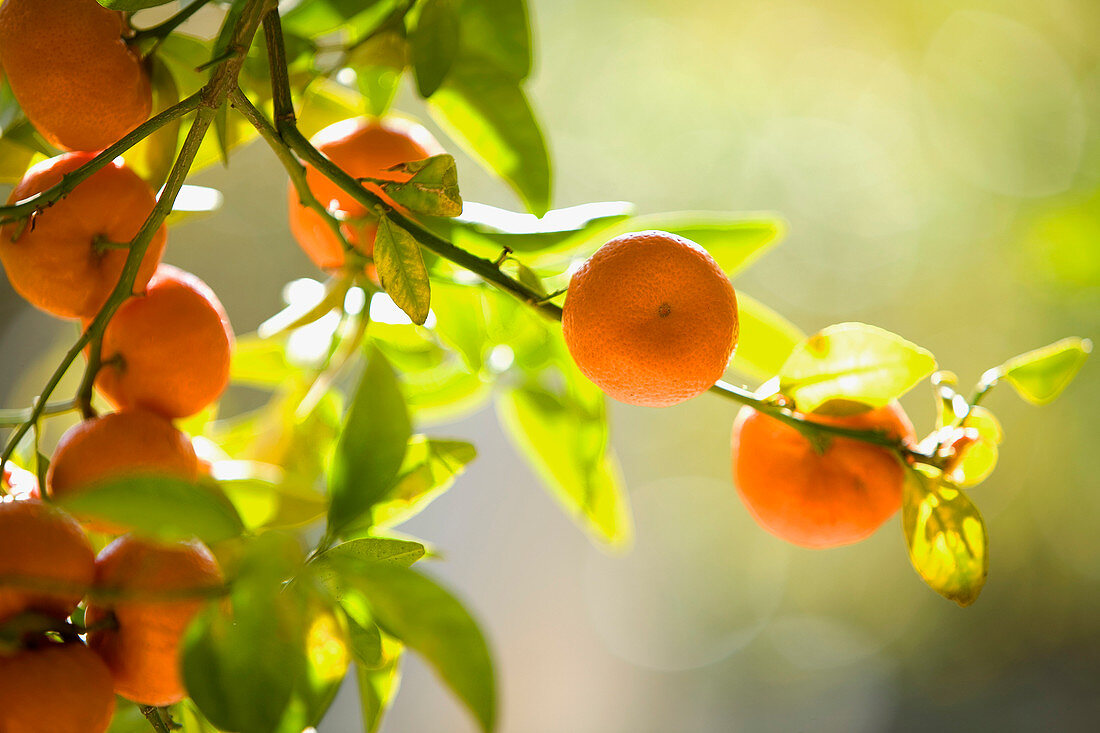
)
(305, 502)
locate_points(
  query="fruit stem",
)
(206, 101)
(28, 206)
(155, 718)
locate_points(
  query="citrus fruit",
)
(363, 148)
(69, 66)
(167, 350)
(45, 550)
(143, 653)
(127, 443)
(59, 688)
(651, 319)
(57, 260)
(816, 499)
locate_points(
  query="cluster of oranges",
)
(164, 355)
(652, 320)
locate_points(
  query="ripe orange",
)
(364, 148)
(70, 68)
(60, 688)
(143, 653)
(131, 442)
(651, 319)
(818, 500)
(42, 546)
(53, 261)
(167, 351)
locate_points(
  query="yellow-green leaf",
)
(401, 270)
(1039, 376)
(852, 367)
(766, 339)
(946, 537)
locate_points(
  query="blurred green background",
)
(938, 162)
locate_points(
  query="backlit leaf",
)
(1040, 376)
(431, 467)
(766, 340)
(377, 689)
(432, 189)
(735, 241)
(434, 44)
(946, 537)
(487, 113)
(431, 622)
(164, 507)
(372, 444)
(401, 269)
(978, 459)
(379, 64)
(499, 31)
(850, 367)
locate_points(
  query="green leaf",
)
(1040, 376)
(401, 270)
(430, 621)
(500, 32)
(163, 507)
(735, 241)
(366, 644)
(487, 113)
(431, 467)
(371, 447)
(260, 363)
(766, 340)
(241, 664)
(946, 537)
(379, 64)
(852, 367)
(320, 17)
(152, 158)
(377, 689)
(432, 189)
(265, 499)
(434, 44)
(371, 549)
(564, 436)
(327, 656)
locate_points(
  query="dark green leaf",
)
(366, 644)
(432, 189)
(401, 270)
(242, 664)
(946, 537)
(163, 507)
(371, 447)
(851, 367)
(434, 44)
(430, 621)
(500, 32)
(486, 111)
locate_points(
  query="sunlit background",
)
(938, 162)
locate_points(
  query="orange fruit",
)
(143, 653)
(69, 66)
(127, 443)
(168, 350)
(817, 500)
(45, 547)
(363, 148)
(651, 319)
(60, 688)
(53, 260)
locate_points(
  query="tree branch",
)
(26, 207)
